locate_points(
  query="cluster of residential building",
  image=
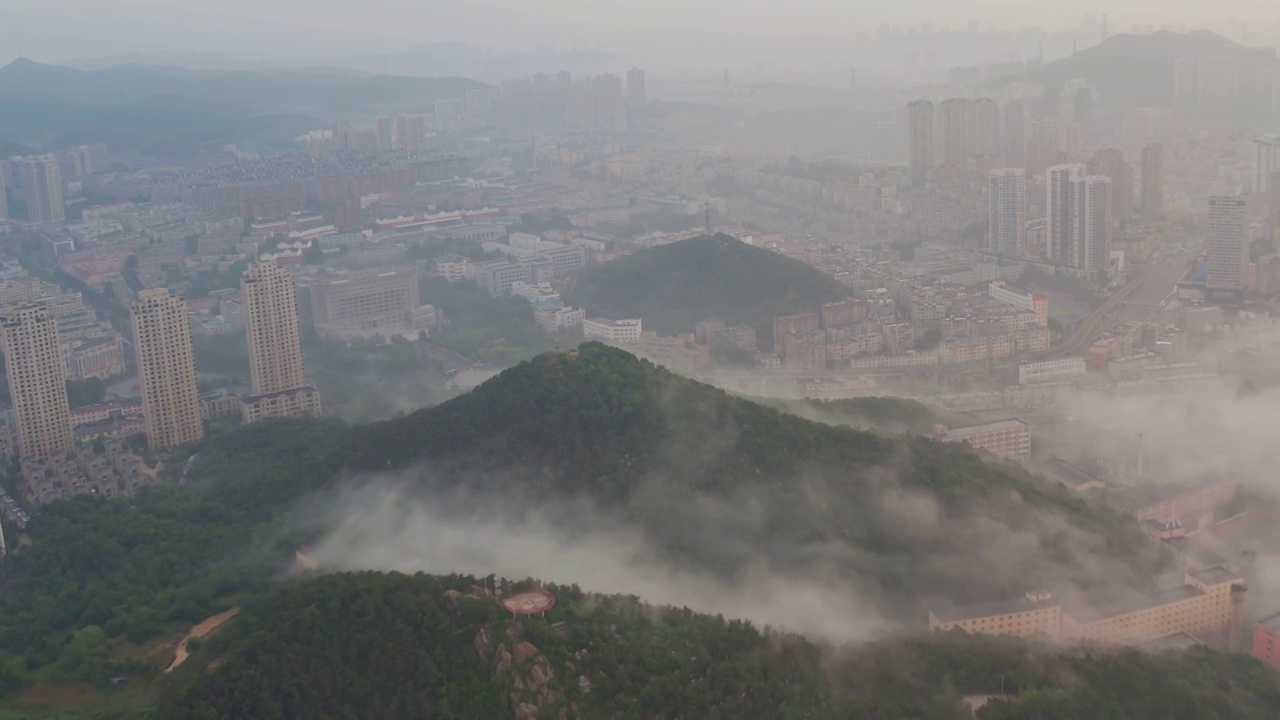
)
(50, 439)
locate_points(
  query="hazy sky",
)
(50, 30)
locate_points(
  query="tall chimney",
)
(1238, 593)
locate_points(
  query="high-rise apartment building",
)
(1152, 181)
(1228, 250)
(410, 132)
(920, 127)
(985, 141)
(1058, 206)
(636, 96)
(37, 381)
(1079, 218)
(166, 369)
(43, 180)
(1015, 134)
(385, 131)
(270, 306)
(1007, 214)
(954, 131)
(1110, 162)
(1045, 148)
(1093, 231)
(1266, 160)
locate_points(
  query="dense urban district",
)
(958, 421)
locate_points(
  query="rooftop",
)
(1176, 641)
(997, 426)
(988, 609)
(1069, 475)
(1216, 576)
(1132, 605)
(1271, 623)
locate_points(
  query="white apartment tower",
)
(37, 381)
(1007, 215)
(166, 369)
(920, 127)
(1228, 256)
(43, 181)
(278, 385)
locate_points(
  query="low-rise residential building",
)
(1166, 502)
(540, 296)
(554, 319)
(1007, 438)
(1266, 640)
(1197, 604)
(615, 331)
(1051, 370)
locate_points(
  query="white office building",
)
(613, 331)
(1228, 245)
(1007, 214)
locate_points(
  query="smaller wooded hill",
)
(673, 286)
(390, 646)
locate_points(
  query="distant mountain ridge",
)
(1133, 70)
(51, 106)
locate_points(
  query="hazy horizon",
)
(69, 30)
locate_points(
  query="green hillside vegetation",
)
(108, 585)
(375, 646)
(673, 286)
(175, 113)
(1134, 70)
(660, 449)
(114, 574)
(881, 414)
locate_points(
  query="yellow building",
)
(166, 369)
(279, 388)
(37, 376)
(1196, 604)
(1034, 614)
(1201, 604)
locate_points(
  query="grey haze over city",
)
(578, 359)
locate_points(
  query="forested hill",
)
(391, 647)
(673, 286)
(912, 522)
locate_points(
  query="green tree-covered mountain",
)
(374, 647)
(720, 483)
(673, 286)
(710, 482)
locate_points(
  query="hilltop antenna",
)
(707, 207)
